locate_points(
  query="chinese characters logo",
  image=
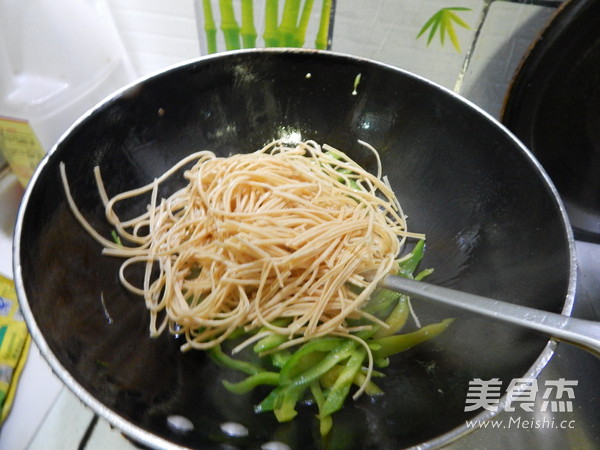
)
(556, 395)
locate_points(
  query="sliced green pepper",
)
(391, 345)
(396, 319)
(285, 407)
(217, 354)
(337, 355)
(328, 380)
(294, 366)
(338, 393)
(325, 421)
(280, 358)
(269, 342)
(282, 401)
(246, 385)
(408, 266)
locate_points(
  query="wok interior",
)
(493, 227)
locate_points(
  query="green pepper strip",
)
(293, 366)
(268, 403)
(280, 358)
(337, 355)
(351, 183)
(371, 388)
(269, 342)
(282, 399)
(408, 266)
(273, 339)
(382, 305)
(423, 273)
(339, 391)
(246, 385)
(325, 421)
(396, 319)
(217, 354)
(285, 407)
(390, 345)
(328, 380)
(383, 300)
(381, 362)
(380, 302)
(116, 238)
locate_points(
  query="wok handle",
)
(579, 332)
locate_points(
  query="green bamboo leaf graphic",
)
(432, 21)
(443, 22)
(434, 27)
(452, 34)
(458, 20)
(443, 25)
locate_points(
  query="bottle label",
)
(14, 345)
(20, 147)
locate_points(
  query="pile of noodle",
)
(280, 238)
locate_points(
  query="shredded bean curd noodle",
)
(280, 238)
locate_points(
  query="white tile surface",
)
(387, 31)
(37, 391)
(106, 437)
(65, 426)
(507, 33)
(156, 33)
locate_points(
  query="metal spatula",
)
(579, 332)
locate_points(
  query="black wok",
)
(494, 226)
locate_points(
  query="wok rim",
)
(140, 435)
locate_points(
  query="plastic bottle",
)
(57, 59)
